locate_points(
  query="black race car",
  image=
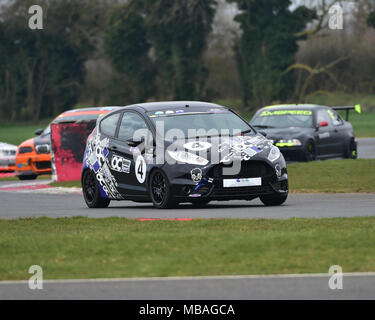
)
(308, 132)
(172, 152)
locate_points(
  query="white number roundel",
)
(140, 169)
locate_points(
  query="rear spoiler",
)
(357, 108)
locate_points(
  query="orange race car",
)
(33, 156)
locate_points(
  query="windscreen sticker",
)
(284, 112)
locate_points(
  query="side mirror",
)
(135, 142)
(323, 124)
(264, 134)
(38, 132)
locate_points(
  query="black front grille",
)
(249, 169)
(42, 149)
(241, 191)
(41, 165)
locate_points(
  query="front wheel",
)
(309, 151)
(27, 177)
(274, 200)
(351, 150)
(160, 190)
(91, 192)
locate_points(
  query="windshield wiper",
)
(262, 126)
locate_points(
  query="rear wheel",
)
(274, 200)
(27, 177)
(309, 151)
(160, 190)
(91, 192)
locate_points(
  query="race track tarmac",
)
(22, 205)
(366, 148)
(354, 286)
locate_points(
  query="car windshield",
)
(283, 119)
(202, 124)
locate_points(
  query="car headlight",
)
(187, 157)
(288, 143)
(274, 154)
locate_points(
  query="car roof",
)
(176, 105)
(296, 106)
(83, 114)
(88, 110)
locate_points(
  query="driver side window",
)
(323, 115)
(130, 123)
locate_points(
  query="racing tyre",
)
(309, 151)
(91, 191)
(27, 177)
(351, 150)
(160, 191)
(275, 200)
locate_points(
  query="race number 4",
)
(140, 169)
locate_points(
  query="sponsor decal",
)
(197, 146)
(284, 112)
(242, 148)
(196, 175)
(97, 161)
(324, 135)
(242, 182)
(120, 164)
(140, 169)
(169, 112)
(134, 150)
(180, 111)
(158, 113)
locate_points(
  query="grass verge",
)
(119, 247)
(15, 133)
(342, 175)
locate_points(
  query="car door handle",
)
(112, 148)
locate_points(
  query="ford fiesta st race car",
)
(174, 152)
(308, 132)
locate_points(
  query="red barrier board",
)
(68, 141)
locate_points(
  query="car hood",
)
(40, 140)
(227, 148)
(27, 143)
(286, 133)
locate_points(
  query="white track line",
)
(270, 276)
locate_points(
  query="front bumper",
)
(292, 153)
(211, 187)
(29, 164)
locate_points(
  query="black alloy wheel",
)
(160, 191)
(91, 192)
